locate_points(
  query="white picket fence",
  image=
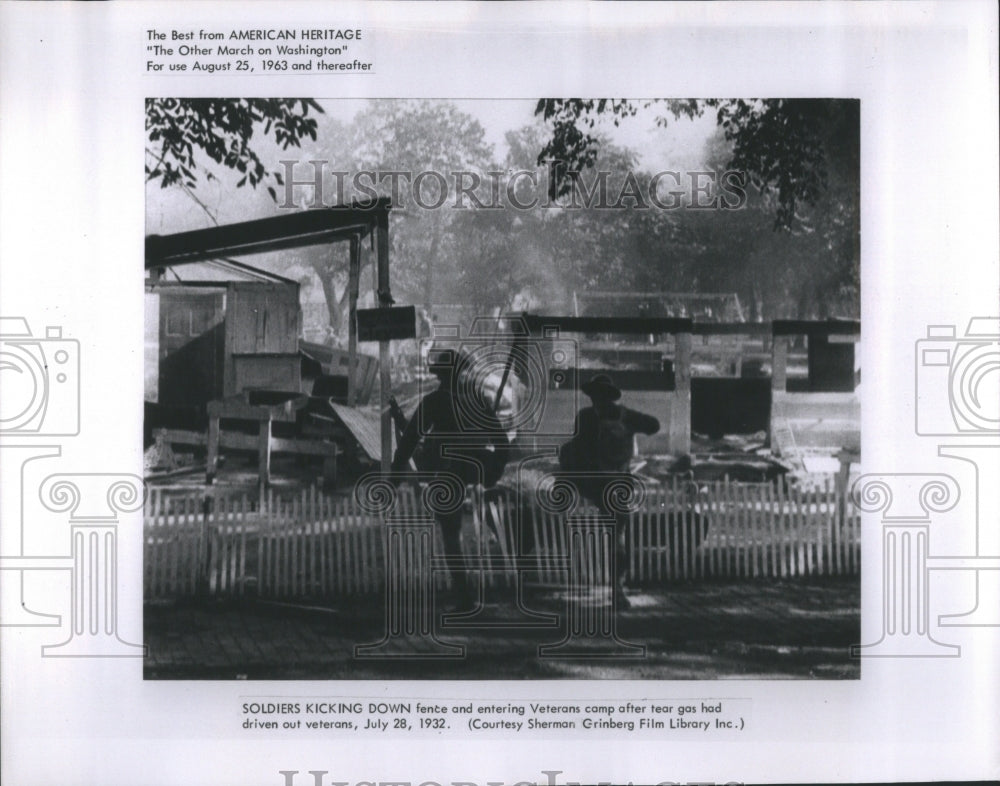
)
(317, 545)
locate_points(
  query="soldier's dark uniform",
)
(601, 450)
(480, 441)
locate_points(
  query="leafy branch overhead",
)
(783, 145)
(222, 129)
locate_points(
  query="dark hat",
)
(601, 386)
(445, 360)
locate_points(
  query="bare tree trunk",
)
(333, 302)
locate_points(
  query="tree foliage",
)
(222, 129)
(783, 145)
(801, 159)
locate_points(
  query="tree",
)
(784, 145)
(409, 137)
(417, 137)
(793, 249)
(222, 129)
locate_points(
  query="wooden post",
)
(212, 459)
(384, 299)
(680, 411)
(264, 454)
(353, 276)
(779, 363)
(779, 378)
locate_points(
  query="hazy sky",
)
(680, 147)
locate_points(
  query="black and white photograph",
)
(523, 389)
(519, 394)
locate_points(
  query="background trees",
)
(791, 250)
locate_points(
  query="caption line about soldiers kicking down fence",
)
(271, 50)
(600, 717)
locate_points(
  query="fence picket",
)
(311, 543)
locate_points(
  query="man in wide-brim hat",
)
(601, 388)
(600, 452)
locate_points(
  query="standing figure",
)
(603, 445)
(481, 449)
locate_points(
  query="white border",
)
(71, 228)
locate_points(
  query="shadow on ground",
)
(799, 629)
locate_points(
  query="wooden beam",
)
(732, 329)
(680, 405)
(384, 299)
(631, 325)
(353, 285)
(291, 230)
(779, 363)
(235, 440)
(818, 327)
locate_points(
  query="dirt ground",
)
(750, 629)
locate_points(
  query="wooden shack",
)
(222, 329)
(228, 337)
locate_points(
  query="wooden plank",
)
(263, 546)
(819, 327)
(196, 551)
(297, 540)
(353, 553)
(364, 427)
(782, 526)
(703, 510)
(312, 517)
(176, 538)
(855, 542)
(384, 298)
(148, 554)
(248, 442)
(805, 538)
(244, 514)
(341, 545)
(824, 517)
(280, 571)
(264, 454)
(229, 529)
(628, 325)
(353, 277)
(776, 496)
(739, 544)
(152, 536)
(290, 230)
(214, 547)
(798, 558)
(323, 543)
